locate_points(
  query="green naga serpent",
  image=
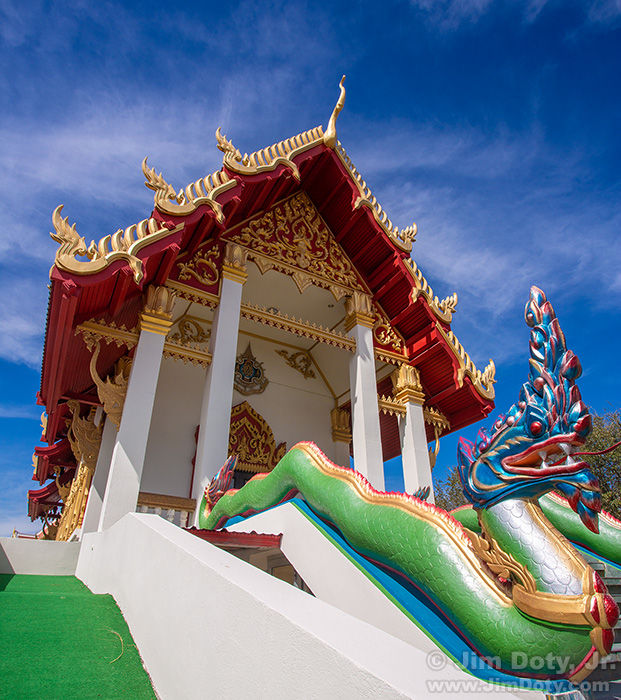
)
(519, 585)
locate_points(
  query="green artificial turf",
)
(59, 641)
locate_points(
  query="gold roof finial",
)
(329, 138)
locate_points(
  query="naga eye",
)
(536, 428)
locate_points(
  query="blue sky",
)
(493, 124)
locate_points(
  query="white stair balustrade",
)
(175, 509)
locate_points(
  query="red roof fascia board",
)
(64, 299)
(225, 539)
(49, 456)
(41, 500)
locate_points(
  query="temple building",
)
(223, 364)
(270, 302)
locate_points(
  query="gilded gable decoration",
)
(252, 440)
(249, 374)
(203, 267)
(300, 361)
(293, 238)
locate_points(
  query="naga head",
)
(528, 452)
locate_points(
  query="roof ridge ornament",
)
(122, 245)
(163, 190)
(329, 138)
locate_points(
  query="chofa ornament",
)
(520, 585)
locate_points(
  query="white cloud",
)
(28, 412)
(604, 11)
(22, 319)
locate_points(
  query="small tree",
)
(448, 492)
(607, 467)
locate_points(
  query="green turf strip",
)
(59, 641)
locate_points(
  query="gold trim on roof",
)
(444, 309)
(204, 191)
(122, 245)
(483, 381)
(267, 159)
(402, 238)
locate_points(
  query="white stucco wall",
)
(209, 625)
(295, 409)
(331, 576)
(42, 557)
(176, 413)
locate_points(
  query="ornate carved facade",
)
(252, 440)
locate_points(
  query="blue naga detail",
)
(529, 451)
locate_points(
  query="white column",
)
(213, 436)
(414, 451)
(363, 385)
(341, 435)
(131, 445)
(100, 478)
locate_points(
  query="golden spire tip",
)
(329, 138)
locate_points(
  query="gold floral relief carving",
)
(385, 334)
(190, 331)
(294, 233)
(301, 361)
(203, 267)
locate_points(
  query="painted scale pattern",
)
(416, 539)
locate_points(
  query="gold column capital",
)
(341, 430)
(234, 263)
(156, 316)
(406, 385)
(358, 311)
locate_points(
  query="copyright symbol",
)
(436, 660)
